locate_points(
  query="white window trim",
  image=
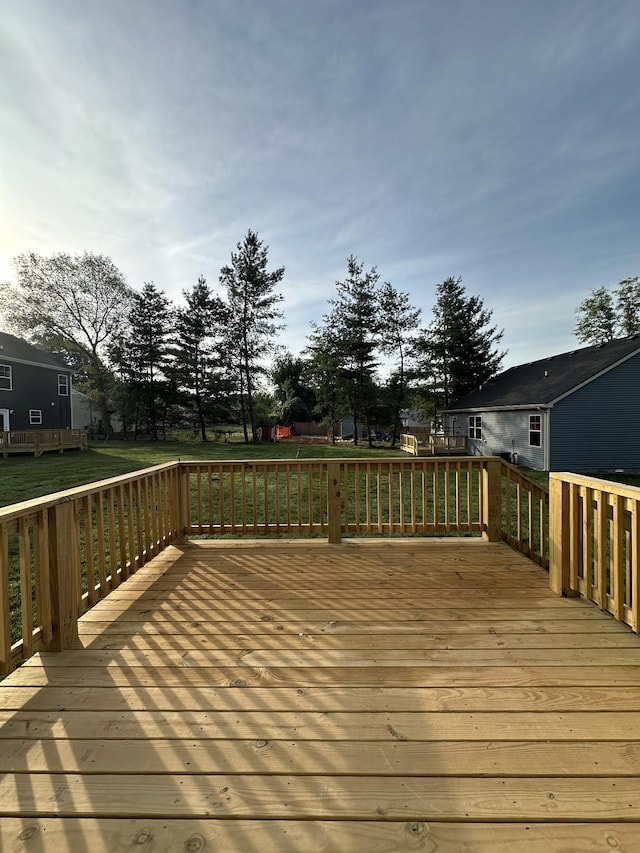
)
(63, 388)
(475, 427)
(9, 376)
(537, 432)
(33, 412)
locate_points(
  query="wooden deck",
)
(39, 441)
(377, 695)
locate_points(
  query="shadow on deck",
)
(378, 695)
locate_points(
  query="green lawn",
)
(23, 477)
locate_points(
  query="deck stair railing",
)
(61, 554)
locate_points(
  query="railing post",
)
(334, 521)
(183, 497)
(559, 536)
(63, 575)
(492, 503)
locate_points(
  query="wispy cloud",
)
(496, 141)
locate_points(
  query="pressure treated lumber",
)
(293, 696)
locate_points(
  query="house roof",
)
(540, 383)
(15, 349)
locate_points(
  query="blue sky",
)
(497, 140)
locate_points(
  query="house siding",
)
(36, 388)
(503, 432)
(598, 426)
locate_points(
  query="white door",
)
(4, 420)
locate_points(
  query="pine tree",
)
(354, 323)
(150, 325)
(253, 319)
(458, 349)
(194, 346)
(324, 369)
(399, 322)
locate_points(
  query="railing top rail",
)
(17, 510)
(364, 460)
(596, 483)
(8, 513)
(532, 484)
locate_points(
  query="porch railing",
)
(595, 543)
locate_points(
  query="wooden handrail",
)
(595, 543)
(66, 551)
(525, 514)
(376, 496)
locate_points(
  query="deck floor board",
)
(378, 695)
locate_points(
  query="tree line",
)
(609, 313)
(215, 359)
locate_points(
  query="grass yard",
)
(23, 477)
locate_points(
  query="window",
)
(475, 426)
(35, 416)
(63, 385)
(6, 382)
(535, 431)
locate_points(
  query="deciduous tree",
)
(596, 317)
(74, 305)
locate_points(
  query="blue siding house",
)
(578, 411)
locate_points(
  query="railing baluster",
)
(587, 539)
(617, 564)
(5, 622)
(87, 506)
(635, 564)
(26, 590)
(122, 537)
(111, 532)
(43, 594)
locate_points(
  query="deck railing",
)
(448, 443)
(595, 543)
(409, 443)
(40, 440)
(434, 443)
(60, 554)
(525, 514)
(331, 497)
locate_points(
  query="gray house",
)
(35, 387)
(579, 411)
